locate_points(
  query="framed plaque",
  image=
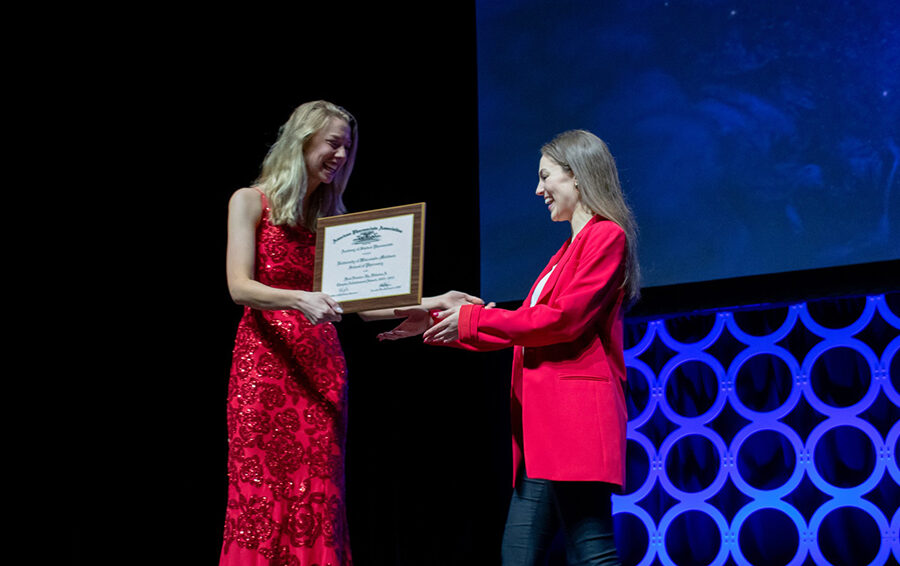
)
(373, 259)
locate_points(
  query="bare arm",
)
(443, 302)
(244, 213)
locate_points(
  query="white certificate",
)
(371, 260)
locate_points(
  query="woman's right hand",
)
(444, 331)
(318, 307)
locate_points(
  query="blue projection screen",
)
(751, 137)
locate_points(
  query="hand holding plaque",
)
(371, 260)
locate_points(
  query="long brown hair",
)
(587, 157)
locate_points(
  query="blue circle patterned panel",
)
(764, 436)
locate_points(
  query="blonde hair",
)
(284, 178)
(588, 159)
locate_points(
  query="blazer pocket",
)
(585, 377)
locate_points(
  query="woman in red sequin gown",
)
(287, 391)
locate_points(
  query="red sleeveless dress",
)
(286, 423)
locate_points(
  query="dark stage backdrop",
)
(428, 447)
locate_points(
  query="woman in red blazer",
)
(567, 401)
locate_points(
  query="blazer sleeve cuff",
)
(468, 323)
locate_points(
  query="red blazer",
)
(567, 399)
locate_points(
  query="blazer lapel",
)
(553, 261)
(559, 260)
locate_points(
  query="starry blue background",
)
(751, 137)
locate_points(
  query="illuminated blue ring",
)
(799, 468)
(647, 520)
(750, 508)
(886, 358)
(865, 401)
(789, 403)
(700, 344)
(877, 445)
(644, 342)
(889, 316)
(718, 403)
(645, 415)
(693, 497)
(655, 467)
(805, 456)
(771, 338)
(860, 323)
(895, 532)
(890, 441)
(717, 517)
(871, 509)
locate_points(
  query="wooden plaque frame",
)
(370, 221)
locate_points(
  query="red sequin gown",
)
(286, 422)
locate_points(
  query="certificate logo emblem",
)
(367, 237)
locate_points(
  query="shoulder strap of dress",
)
(262, 196)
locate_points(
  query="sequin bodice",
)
(285, 255)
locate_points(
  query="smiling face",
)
(326, 152)
(557, 186)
